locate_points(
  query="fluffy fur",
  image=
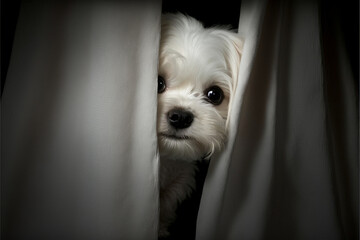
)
(192, 59)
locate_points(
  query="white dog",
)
(198, 70)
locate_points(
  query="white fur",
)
(192, 59)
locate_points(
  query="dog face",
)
(197, 74)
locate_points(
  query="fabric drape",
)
(290, 170)
(79, 150)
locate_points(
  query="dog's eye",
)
(214, 95)
(161, 84)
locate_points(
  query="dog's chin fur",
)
(192, 59)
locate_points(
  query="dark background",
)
(210, 13)
(9, 14)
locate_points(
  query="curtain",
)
(79, 149)
(290, 170)
(78, 129)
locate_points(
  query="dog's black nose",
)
(180, 118)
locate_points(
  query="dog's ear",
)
(233, 55)
(233, 52)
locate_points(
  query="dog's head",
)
(198, 70)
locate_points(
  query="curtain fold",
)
(79, 151)
(290, 170)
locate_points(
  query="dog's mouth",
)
(175, 137)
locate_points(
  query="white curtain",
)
(79, 150)
(78, 128)
(290, 170)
